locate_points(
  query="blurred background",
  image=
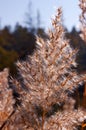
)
(22, 20)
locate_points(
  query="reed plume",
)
(45, 84)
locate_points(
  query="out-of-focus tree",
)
(7, 59)
(6, 38)
(25, 41)
(33, 23)
(77, 42)
(41, 33)
(30, 19)
(38, 19)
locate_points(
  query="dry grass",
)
(45, 80)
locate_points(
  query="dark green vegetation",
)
(17, 44)
(77, 42)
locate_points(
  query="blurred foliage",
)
(19, 43)
(7, 59)
(77, 42)
(16, 45)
